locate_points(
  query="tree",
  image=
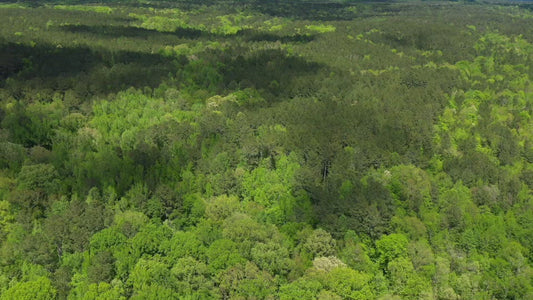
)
(245, 280)
(102, 291)
(390, 247)
(320, 243)
(406, 282)
(149, 272)
(102, 267)
(456, 203)
(40, 177)
(272, 257)
(192, 278)
(183, 244)
(154, 292)
(411, 187)
(350, 284)
(222, 254)
(40, 288)
(221, 207)
(356, 256)
(107, 239)
(147, 242)
(12, 156)
(303, 288)
(276, 190)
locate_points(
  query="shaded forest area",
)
(266, 151)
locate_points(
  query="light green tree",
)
(40, 288)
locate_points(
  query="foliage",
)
(266, 150)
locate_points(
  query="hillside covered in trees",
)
(267, 150)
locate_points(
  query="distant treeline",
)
(213, 2)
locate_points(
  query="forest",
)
(266, 150)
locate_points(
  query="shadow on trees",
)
(11, 60)
(260, 36)
(307, 11)
(302, 10)
(117, 31)
(94, 71)
(271, 71)
(322, 11)
(46, 60)
(62, 68)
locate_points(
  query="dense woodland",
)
(189, 150)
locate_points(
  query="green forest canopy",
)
(271, 151)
